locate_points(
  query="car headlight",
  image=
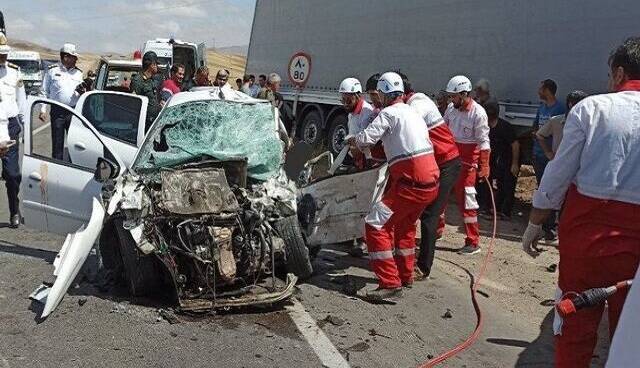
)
(36, 83)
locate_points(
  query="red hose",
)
(476, 332)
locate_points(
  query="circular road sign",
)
(299, 68)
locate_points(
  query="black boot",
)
(381, 295)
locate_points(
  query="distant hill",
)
(216, 59)
(237, 50)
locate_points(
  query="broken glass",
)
(218, 129)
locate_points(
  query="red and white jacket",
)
(470, 128)
(402, 132)
(361, 117)
(444, 144)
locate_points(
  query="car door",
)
(119, 119)
(332, 210)
(101, 77)
(202, 55)
(57, 194)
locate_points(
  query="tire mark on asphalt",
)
(319, 342)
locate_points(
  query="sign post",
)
(299, 70)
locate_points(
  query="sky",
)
(122, 26)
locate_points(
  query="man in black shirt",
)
(505, 164)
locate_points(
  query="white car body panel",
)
(342, 202)
(70, 259)
(624, 350)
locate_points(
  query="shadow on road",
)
(17, 249)
(539, 352)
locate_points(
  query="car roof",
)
(122, 62)
(23, 55)
(212, 94)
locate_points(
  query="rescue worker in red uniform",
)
(595, 178)
(412, 185)
(448, 160)
(470, 127)
(361, 113)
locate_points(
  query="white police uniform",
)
(13, 106)
(60, 84)
(13, 99)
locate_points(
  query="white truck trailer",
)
(514, 44)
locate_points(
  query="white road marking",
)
(322, 346)
(38, 130)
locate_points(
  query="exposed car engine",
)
(214, 234)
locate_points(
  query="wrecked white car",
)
(204, 208)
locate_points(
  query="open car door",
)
(119, 118)
(57, 193)
(202, 55)
(332, 209)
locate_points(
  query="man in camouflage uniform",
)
(146, 84)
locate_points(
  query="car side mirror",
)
(105, 170)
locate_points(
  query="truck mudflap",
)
(251, 298)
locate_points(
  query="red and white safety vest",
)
(470, 128)
(361, 117)
(406, 143)
(444, 144)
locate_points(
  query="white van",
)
(171, 51)
(30, 67)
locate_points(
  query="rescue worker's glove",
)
(530, 239)
(483, 167)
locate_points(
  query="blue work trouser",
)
(11, 167)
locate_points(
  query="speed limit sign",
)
(299, 69)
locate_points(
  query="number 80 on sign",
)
(299, 69)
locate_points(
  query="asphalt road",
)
(322, 327)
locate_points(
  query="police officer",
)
(147, 84)
(61, 83)
(13, 101)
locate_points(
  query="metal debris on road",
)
(373, 332)
(447, 314)
(168, 316)
(336, 321)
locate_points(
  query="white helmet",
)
(390, 82)
(350, 85)
(458, 84)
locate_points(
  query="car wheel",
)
(140, 273)
(337, 133)
(312, 128)
(298, 261)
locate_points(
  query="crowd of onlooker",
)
(506, 147)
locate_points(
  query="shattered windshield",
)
(27, 66)
(217, 129)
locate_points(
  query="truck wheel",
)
(312, 128)
(297, 254)
(338, 131)
(140, 273)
